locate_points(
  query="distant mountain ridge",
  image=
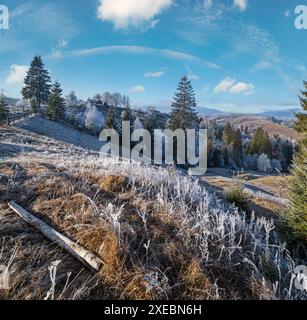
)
(280, 114)
(10, 101)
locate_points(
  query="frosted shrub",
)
(264, 163)
(94, 120)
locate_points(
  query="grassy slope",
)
(160, 235)
(253, 122)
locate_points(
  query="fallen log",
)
(85, 257)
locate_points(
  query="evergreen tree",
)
(183, 115)
(260, 143)
(56, 103)
(37, 83)
(216, 158)
(301, 123)
(228, 134)
(237, 147)
(287, 150)
(3, 107)
(209, 151)
(34, 105)
(298, 189)
(298, 193)
(127, 115)
(225, 156)
(110, 122)
(150, 122)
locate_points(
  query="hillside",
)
(253, 122)
(60, 132)
(159, 234)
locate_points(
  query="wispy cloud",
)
(36, 18)
(135, 13)
(157, 74)
(137, 50)
(241, 4)
(137, 89)
(262, 65)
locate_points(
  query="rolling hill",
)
(253, 122)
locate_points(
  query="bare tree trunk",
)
(85, 257)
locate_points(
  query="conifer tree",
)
(287, 151)
(261, 143)
(56, 103)
(298, 190)
(150, 122)
(301, 123)
(37, 83)
(228, 134)
(225, 156)
(216, 158)
(3, 107)
(184, 115)
(110, 122)
(237, 147)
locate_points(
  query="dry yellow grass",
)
(130, 271)
(253, 122)
(277, 185)
(114, 183)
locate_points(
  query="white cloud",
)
(241, 4)
(229, 85)
(157, 74)
(126, 13)
(242, 87)
(17, 74)
(224, 85)
(137, 89)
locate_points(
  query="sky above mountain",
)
(241, 55)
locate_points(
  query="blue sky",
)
(241, 55)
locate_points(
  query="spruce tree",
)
(298, 190)
(261, 143)
(287, 151)
(3, 107)
(150, 121)
(56, 103)
(237, 147)
(216, 158)
(37, 83)
(184, 115)
(225, 156)
(301, 123)
(228, 134)
(110, 122)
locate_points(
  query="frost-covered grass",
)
(160, 234)
(163, 236)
